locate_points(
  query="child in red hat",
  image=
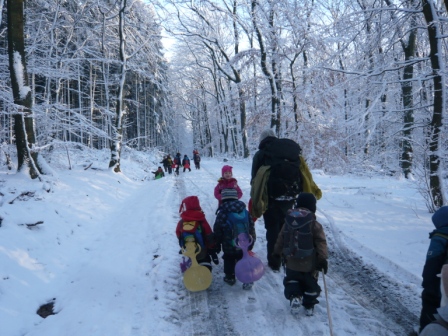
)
(194, 226)
(227, 181)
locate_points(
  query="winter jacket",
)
(159, 172)
(185, 160)
(230, 183)
(223, 231)
(306, 264)
(258, 159)
(166, 162)
(259, 192)
(191, 211)
(177, 160)
(196, 158)
(308, 184)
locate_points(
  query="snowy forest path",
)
(385, 299)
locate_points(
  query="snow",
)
(107, 256)
(20, 75)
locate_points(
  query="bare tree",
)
(117, 135)
(23, 116)
(436, 56)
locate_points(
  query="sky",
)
(107, 256)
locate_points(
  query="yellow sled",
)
(196, 278)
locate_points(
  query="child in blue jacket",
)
(224, 235)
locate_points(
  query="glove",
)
(276, 260)
(214, 257)
(322, 266)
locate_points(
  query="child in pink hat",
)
(227, 181)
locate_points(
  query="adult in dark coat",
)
(274, 216)
(165, 163)
(197, 159)
(435, 259)
(178, 162)
(170, 164)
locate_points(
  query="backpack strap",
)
(441, 235)
(441, 322)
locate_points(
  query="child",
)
(158, 173)
(226, 181)
(197, 159)
(301, 264)
(194, 225)
(435, 259)
(186, 163)
(177, 162)
(169, 163)
(224, 235)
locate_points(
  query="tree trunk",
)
(408, 103)
(436, 53)
(24, 124)
(117, 138)
(275, 122)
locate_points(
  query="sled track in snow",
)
(205, 310)
(384, 297)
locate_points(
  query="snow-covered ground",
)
(107, 256)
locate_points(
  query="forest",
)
(361, 85)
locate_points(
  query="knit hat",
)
(440, 217)
(229, 194)
(267, 133)
(226, 169)
(307, 201)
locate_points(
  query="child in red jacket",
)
(227, 181)
(193, 225)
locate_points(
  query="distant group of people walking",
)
(171, 165)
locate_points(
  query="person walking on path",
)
(283, 184)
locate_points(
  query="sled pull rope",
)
(330, 323)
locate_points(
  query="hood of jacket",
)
(265, 141)
(192, 215)
(232, 206)
(440, 217)
(190, 203)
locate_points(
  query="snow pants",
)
(274, 217)
(302, 284)
(230, 260)
(430, 303)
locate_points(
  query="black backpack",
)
(285, 179)
(297, 236)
